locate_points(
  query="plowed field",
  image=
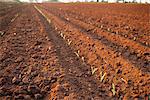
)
(57, 51)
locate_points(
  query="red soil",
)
(48, 51)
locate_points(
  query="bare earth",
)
(57, 51)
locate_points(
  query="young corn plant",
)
(83, 59)
(102, 76)
(64, 37)
(14, 17)
(113, 89)
(61, 34)
(50, 22)
(55, 27)
(125, 81)
(69, 42)
(77, 54)
(93, 70)
(108, 29)
(1, 33)
(78, 51)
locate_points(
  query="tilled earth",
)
(74, 51)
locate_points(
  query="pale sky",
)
(143, 1)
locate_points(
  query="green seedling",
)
(14, 17)
(1, 33)
(50, 22)
(61, 34)
(102, 76)
(67, 19)
(113, 89)
(64, 37)
(105, 61)
(93, 70)
(125, 35)
(69, 42)
(82, 58)
(78, 51)
(124, 80)
(134, 38)
(117, 32)
(12, 20)
(108, 29)
(77, 54)
(55, 28)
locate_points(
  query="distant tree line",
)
(44, 0)
(124, 1)
(17, 1)
(53, 0)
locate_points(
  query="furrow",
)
(128, 50)
(84, 43)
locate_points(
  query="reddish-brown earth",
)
(50, 51)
